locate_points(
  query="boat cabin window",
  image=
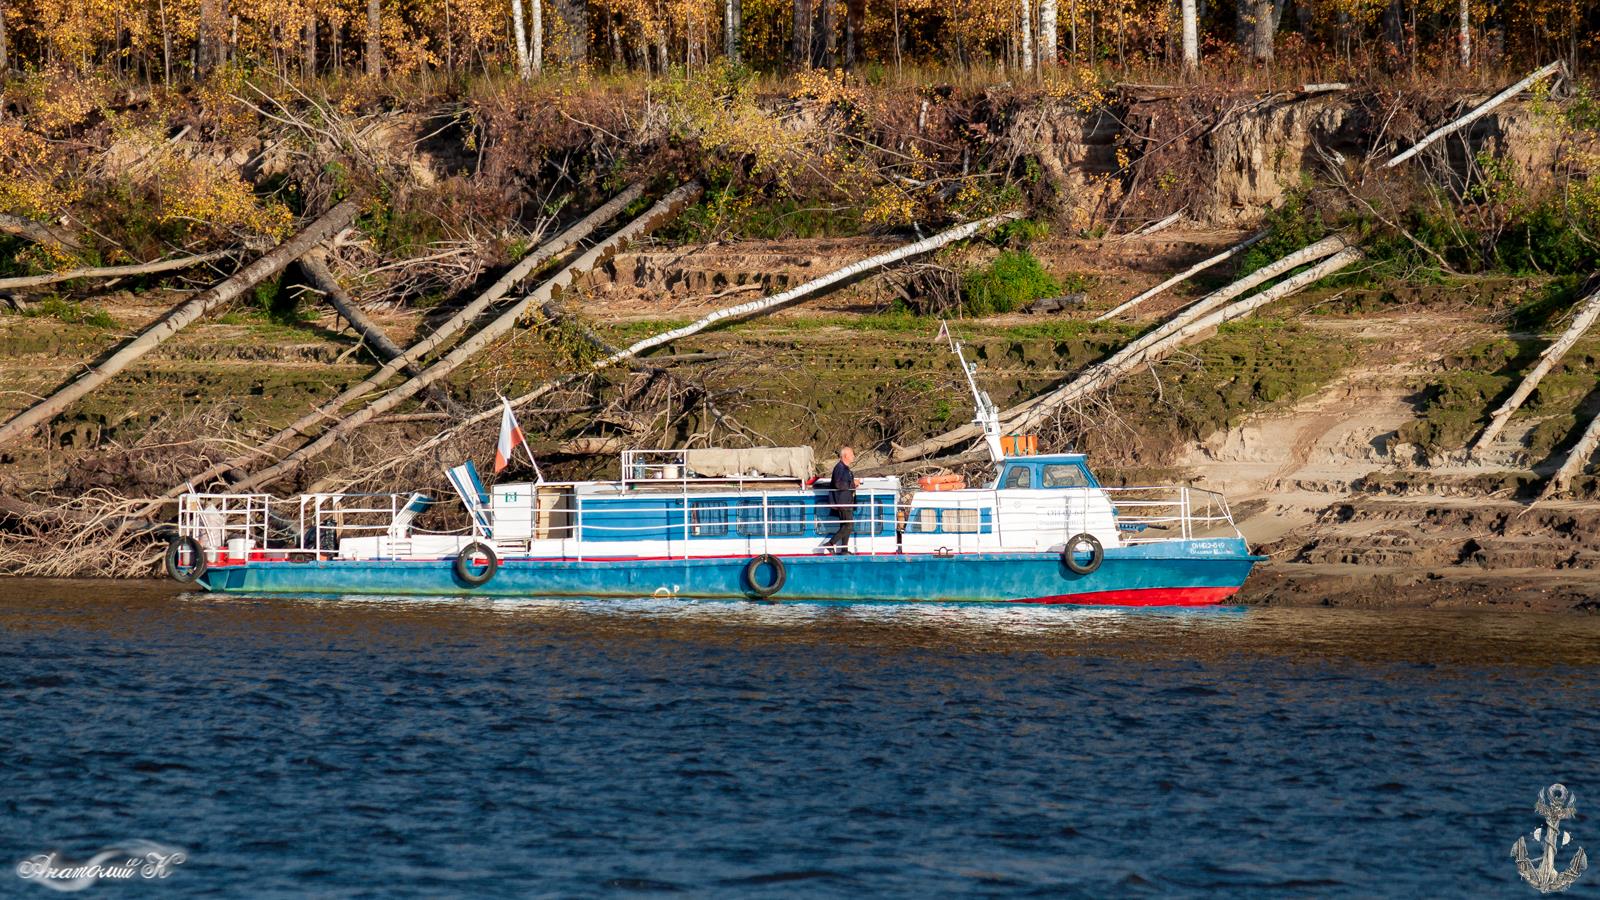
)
(1018, 477)
(962, 521)
(1064, 475)
(708, 518)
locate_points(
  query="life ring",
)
(1097, 553)
(175, 567)
(779, 575)
(467, 573)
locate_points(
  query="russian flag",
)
(510, 436)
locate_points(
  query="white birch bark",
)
(664, 209)
(1186, 274)
(519, 36)
(1466, 33)
(273, 262)
(1027, 35)
(1476, 113)
(150, 268)
(1191, 36)
(303, 426)
(1588, 313)
(536, 36)
(1576, 460)
(1049, 43)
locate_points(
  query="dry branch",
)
(1476, 113)
(664, 209)
(149, 268)
(1587, 314)
(1186, 274)
(303, 426)
(273, 262)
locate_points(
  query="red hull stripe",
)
(1185, 596)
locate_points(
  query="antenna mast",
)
(986, 414)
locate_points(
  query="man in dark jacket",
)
(844, 501)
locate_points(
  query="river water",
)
(295, 747)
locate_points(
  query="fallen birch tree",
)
(303, 426)
(728, 314)
(37, 232)
(1200, 308)
(1476, 113)
(664, 209)
(1575, 462)
(269, 264)
(1186, 274)
(1587, 314)
(1125, 362)
(97, 272)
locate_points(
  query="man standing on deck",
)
(844, 501)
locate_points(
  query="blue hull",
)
(1169, 573)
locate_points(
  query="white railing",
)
(1177, 512)
(239, 525)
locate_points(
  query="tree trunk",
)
(5, 58)
(663, 210)
(1144, 351)
(1192, 313)
(208, 38)
(374, 55)
(1186, 274)
(1576, 460)
(1049, 46)
(1477, 112)
(38, 232)
(855, 21)
(800, 39)
(150, 268)
(1465, 10)
(1588, 313)
(468, 314)
(519, 34)
(536, 36)
(327, 225)
(1026, 15)
(1191, 36)
(825, 47)
(315, 267)
(311, 45)
(730, 29)
(765, 305)
(1264, 29)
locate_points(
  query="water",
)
(452, 748)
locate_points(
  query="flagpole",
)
(538, 473)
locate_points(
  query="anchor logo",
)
(1556, 805)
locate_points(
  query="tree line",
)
(167, 40)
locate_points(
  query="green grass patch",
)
(1014, 279)
(70, 312)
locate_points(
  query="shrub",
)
(1014, 278)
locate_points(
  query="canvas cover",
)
(775, 462)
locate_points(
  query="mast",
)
(985, 414)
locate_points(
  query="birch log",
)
(1200, 308)
(315, 266)
(1111, 371)
(1587, 314)
(1186, 274)
(1477, 112)
(149, 268)
(330, 410)
(664, 209)
(38, 232)
(273, 262)
(732, 313)
(1576, 460)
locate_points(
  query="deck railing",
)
(313, 524)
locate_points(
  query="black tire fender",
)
(467, 573)
(1069, 554)
(175, 568)
(753, 568)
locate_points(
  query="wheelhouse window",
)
(1064, 475)
(1018, 477)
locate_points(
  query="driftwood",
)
(315, 266)
(727, 314)
(303, 427)
(1186, 274)
(1587, 314)
(1576, 460)
(273, 262)
(1476, 113)
(149, 268)
(1189, 315)
(663, 210)
(38, 232)
(1127, 361)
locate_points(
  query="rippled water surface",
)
(558, 748)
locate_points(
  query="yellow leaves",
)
(1084, 88)
(33, 180)
(194, 192)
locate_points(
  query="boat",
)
(738, 523)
